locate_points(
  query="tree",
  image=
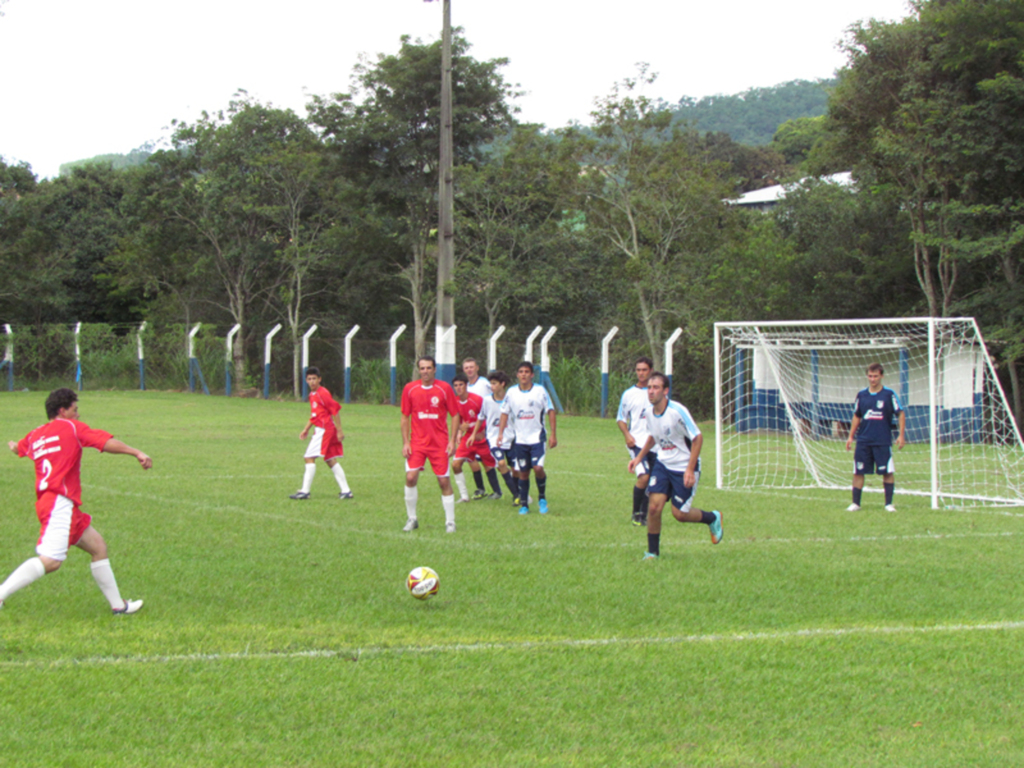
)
(387, 135)
(655, 200)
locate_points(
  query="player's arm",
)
(453, 434)
(643, 453)
(337, 424)
(406, 435)
(502, 423)
(690, 475)
(901, 440)
(476, 428)
(113, 445)
(624, 429)
(854, 423)
(552, 438)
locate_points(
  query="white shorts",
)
(53, 541)
(315, 448)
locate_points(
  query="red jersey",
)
(56, 448)
(323, 407)
(429, 408)
(470, 413)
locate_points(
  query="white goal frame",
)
(767, 388)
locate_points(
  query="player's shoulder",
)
(475, 400)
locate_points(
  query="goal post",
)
(784, 395)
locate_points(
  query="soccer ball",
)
(423, 583)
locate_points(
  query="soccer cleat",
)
(853, 508)
(890, 507)
(479, 493)
(346, 495)
(543, 503)
(494, 496)
(716, 527)
(449, 527)
(524, 510)
(411, 525)
(517, 502)
(649, 556)
(462, 500)
(299, 496)
(638, 519)
(130, 606)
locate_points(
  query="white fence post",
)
(545, 368)
(193, 362)
(668, 354)
(78, 357)
(348, 362)
(9, 357)
(492, 349)
(528, 354)
(142, 357)
(305, 359)
(266, 360)
(393, 355)
(227, 360)
(605, 344)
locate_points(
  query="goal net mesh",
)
(786, 393)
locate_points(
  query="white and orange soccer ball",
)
(423, 583)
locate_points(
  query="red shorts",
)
(61, 525)
(324, 444)
(438, 458)
(481, 450)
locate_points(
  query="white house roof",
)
(772, 195)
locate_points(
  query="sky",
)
(87, 77)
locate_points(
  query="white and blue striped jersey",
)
(633, 409)
(490, 415)
(674, 432)
(526, 411)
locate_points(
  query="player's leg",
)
(344, 491)
(439, 463)
(56, 526)
(460, 479)
(478, 478)
(313, 452)
(490, 466)
(413, 466)
(863, 462)
(655, 504)
(641, 485)
(92, 542)
(524, 461)
(541, 477)
(887, 469)
(684, 511)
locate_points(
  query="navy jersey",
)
(878, 412)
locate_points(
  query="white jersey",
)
(633, 409)
(490, 415)
(673, 431)
(526, 411)
(480, 387)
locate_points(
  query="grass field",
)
(278, 633)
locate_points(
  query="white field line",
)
(354, 654)
(340, 524)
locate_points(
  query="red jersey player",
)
(473, 446)
(327, 436)
(426, 405)
(56, 449)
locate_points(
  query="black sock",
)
(889, 488)
(478, 478)
(639, 494)
(707, 517)
(524, 490)
(856, 495)
(513, 484)
(492, 478)
(654, 543)
(542, 486)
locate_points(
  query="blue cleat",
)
(524, 510)
(650, 556)
(716, 527)
(543, 503)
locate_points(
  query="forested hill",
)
(116, 161)
(753, 116)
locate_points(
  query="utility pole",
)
(445, 339)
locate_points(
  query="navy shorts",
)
(868, 459)
(500, 454)
(671, 484)
(528, 456)
(644, 467)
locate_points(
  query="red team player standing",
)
(56, 448)
(327, 436)
(426, 406)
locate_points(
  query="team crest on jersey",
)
(880, 404)
(435, 400)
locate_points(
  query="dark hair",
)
(500, 376)
(524, 364)
(876, 367)
(659, 375)
(59, 398)
(646, 360)
(460, 376)
(419, 360)
(313, 371)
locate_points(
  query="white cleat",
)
(449, 527)
(853, 508)
(890, 507)
(463, 500)
(412, 525)
(130, 606)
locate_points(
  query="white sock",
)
(307, 478)
(104, 575)
(339, 475)
(449, 508)
(460, 480)
(411, 495)
(22, 576)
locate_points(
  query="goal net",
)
(784, 400)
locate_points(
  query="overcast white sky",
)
(87, 77)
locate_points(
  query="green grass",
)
(278, 633)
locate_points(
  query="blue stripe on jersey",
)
(691, 427)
